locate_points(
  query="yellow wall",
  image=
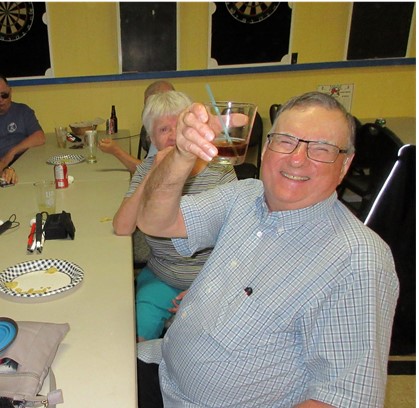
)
(84, 42)
(83, 38)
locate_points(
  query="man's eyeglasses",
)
(318, 151)
(4, 95)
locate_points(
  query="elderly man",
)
(19, 130)
(294, 307)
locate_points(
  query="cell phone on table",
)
(4, 183)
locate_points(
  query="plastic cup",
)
(90, 142)
(232, 123)
(45, 196)
(61, 135)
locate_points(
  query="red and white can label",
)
(110, 127)
(61, 175)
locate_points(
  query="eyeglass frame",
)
(298, 140)
(5, 95)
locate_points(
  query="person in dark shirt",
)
(19, 130)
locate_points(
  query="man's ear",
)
(264, 148)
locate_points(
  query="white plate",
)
(66, 158)
(40, 278)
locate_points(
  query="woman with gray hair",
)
(166, 273)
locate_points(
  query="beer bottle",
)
(114, 119)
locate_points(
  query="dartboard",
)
(251, 12)
(15, 20)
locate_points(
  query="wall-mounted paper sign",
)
(342, 92)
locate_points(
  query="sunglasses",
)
(4, 95)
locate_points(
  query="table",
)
(96, 363)
(32, 166)
(403, 127)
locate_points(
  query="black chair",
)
(376, 150)
(393, 217)
(248, 169)
(273, 111)
(144, 144)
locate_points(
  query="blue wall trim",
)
(215, 72)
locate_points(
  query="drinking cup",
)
(61, 135)
(232, 123)
(90, 142)
(45, 196)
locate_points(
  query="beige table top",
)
(33, 166)
(96, 362)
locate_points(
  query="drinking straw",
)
(217, 111)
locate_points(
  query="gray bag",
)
(33, 350)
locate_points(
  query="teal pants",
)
(152, 299)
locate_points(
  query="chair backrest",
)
(249, 169)
(273, 111)
(144, 143)
(256, 140)
(364, 140)
(393, 218)
(376, 150)
(384, 150)
(397, 196)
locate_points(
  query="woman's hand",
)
(108, 145)
(176, 301)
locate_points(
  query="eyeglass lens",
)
(4, 95)
(322, 152)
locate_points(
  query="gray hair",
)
(326, 101)
(163, 104)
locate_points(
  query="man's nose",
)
(299, 155)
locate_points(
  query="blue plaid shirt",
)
(313, 323)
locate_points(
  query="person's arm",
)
(124, 220)
(313, 404)
(108, 145)
(159, 206)
(35, 139)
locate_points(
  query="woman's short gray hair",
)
(326, 101)
(163, 104)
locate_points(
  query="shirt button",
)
(233, 263)
(183, 315)
(259, 234)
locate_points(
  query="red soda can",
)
(110, 127)
(61, 175)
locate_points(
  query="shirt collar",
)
(290, 219)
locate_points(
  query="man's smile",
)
(294, 177)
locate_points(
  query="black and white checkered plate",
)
(66, 158)
(40, 278)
